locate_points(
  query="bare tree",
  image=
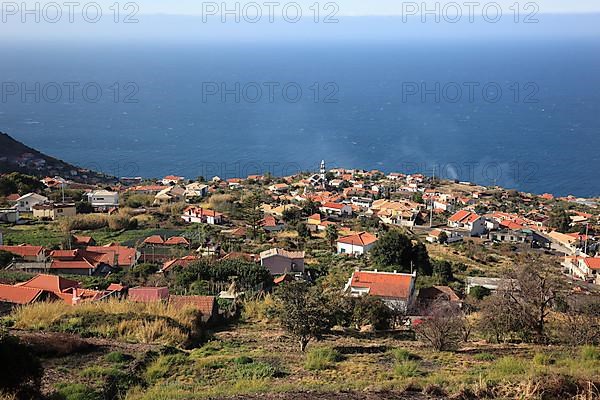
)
(442, 327)
(580, 324)
(521, 305)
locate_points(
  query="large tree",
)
(331, 233)
(304, 312)
(395, 250)
(559, 220)
(252, 212)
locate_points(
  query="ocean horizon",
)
(479, 111)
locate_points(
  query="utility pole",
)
(587, 225)
(431, 205)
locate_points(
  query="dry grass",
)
(157, 322)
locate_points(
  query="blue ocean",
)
(518, 113)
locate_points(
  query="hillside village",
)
(414, 252)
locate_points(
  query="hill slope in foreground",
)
(17, 157)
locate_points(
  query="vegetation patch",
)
(321, 358)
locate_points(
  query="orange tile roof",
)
(126, 255)
(23, 250)
(178, 262)
(383, 284)
(52, 283)
(336, 206)
(200, 212)
(83, 240)
(205, 304)
(18, 294)
(592, 262)
(464, 216)
(268, 221)
(146, 294)
(359, 239)
(154, 239)
(177, 240)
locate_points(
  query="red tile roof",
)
(383, 284)
(201, 212)
(23, 250)
(127, 256)
(205, 304)
(18, 294)
(359, 239)
(464, 216)
(13, 197)
(154, 239)
(146, 294)
(335, 206)
(178, 262)
(52, 283)
(177, 240)
(84, 240)
(592, 262)
(268, 221)
(115, 287)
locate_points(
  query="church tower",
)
(322, 175)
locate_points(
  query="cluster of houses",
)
(44, 288)
(340, 195)
(85, 258)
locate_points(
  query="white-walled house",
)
(103, 199)
(356, 244)
(26, 202)
(469, 221)
(201, 215)
(336, 209)
(196, 189)
(585, 268)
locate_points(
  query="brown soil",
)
(334, 396)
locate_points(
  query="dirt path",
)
(334, 396)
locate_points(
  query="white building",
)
(26, 202)
(469, 221)
(196, 189)
(585, 268)
(9, 215)
(356, 244)
(336, 209)
(103, 199)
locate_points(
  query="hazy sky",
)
(370, 7)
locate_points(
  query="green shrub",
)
(403, 355)
(321, 358)
(116, 357)
(484, 357)
(256, 370)
(542, 359)
(507, 366)
(407, 369)
(590, 353)
(75, 391)
(165, 366)
(243, 360)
